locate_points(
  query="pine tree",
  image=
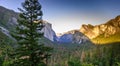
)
(29, 51)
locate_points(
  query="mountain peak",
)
(107, 29)
(114, 22)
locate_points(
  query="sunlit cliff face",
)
(107, 29)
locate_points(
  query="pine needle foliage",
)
(29, 51)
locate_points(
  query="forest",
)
(27, 46)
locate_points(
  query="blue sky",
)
(67, 15)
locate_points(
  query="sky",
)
(65, 15)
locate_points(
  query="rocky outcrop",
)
(65, 38)
(110, 28)
(7, 17)
(8, 21)
(73, 36)
(79, 37)
(49, 32)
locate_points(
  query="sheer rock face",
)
(79, 37)
(49, 32)
(8, 22)
(73, 36)
(66, 38)
(107, 29)
(7, 17)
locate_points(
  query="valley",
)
(97, 45)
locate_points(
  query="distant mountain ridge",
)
(109, 28)
(98, 33)
(73, 36)
(8, 22)
(103, 33)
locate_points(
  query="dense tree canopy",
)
(28, 32)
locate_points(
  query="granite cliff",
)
(73, 36)
(8, 21)
(110, 28)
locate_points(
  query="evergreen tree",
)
(29, 52)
